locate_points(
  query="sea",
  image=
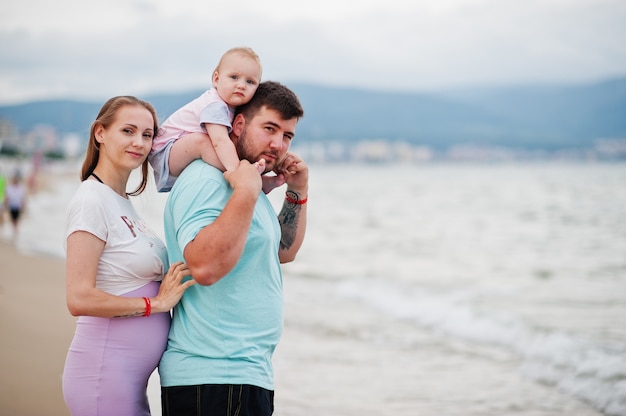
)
(439, 288)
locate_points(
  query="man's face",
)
(266, 136)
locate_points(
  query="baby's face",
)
(237, 79)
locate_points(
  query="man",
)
(225, 329)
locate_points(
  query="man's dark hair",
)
(274, 96)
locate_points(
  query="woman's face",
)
(128, 140)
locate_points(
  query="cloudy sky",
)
(94, 50)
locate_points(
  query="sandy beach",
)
(36, 332)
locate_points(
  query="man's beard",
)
(245, 153)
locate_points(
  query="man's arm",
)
(292, 217)
(216, 249)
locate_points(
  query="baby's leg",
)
(190, 147)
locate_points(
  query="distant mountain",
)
(554, 115)
(545, 117)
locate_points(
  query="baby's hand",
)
(260, 166)
(245, 177)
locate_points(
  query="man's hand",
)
(296, 174)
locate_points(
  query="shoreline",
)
(339, 353)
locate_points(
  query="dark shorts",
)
(15, 213)
(217, 399)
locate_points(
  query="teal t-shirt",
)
(225, 333)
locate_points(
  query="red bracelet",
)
(296, 201)
(148, 307)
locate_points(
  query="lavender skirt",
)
(110, 360)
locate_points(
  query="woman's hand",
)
(172, 288)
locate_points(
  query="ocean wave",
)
(593, 372)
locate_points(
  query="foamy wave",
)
(591, 372)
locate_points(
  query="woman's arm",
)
(83, 298)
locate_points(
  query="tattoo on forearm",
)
(130, 315)
(288, 219)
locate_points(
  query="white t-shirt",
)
(133, 255)
(16, 195)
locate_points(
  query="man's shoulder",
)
(198, 170)
(198, 183)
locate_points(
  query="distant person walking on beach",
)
(3, 186)
(200, 129)
(15, 201)
(225, 329)
(114, 267)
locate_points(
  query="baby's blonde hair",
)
(240, 50)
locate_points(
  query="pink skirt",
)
(110, 360)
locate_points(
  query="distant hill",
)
(547, 117)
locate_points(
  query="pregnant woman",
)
(115, 267)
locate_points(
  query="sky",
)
(83, 49)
